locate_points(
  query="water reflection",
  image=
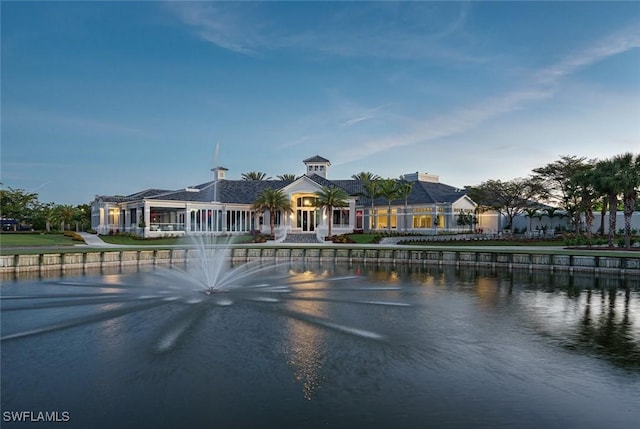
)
(307, 343)
(389, 346)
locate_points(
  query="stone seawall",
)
(62, 262)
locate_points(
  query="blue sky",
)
(115, 97)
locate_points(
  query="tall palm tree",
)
(328, 198)
(389, 189)
(272, 200)
(404, 190)
(371, 191)
(289, 177)
(583, 182)
(628, 179)
(255, 175)
(606, 184)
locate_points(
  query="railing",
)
(166, 227)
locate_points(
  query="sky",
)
(111, 98)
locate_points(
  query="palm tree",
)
(272, 200)
(330, 197)
(583, 183)
(628, 179)
(371, 191)
(289, 177)
(255, 175)
(66, 212)
(550, 212)
(389, 189)
(404, 190)
(607, 185)
(365, 176)
(531, 212)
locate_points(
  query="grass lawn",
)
(363, 238)
(129, 241)
(35, 240)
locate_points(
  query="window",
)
(382, 219)
(341, 217)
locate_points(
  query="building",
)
(224, 206)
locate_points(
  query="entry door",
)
(308, 220)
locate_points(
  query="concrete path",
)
(93, 240)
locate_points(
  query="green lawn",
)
(129, 241)
(35, 240)
(363, 238)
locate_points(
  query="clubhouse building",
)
(224, 206)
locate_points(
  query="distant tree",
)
(66, 212)
(255, 175)
(44, 216)
(365, 176)
(82, 217)
(289, 177)
(508, 198)
(272, 200)
(558, 188)
(531, 212)
(370, 191)
(404, 190)
(328, 198)
(17, 204)
(609, 188)
(390, 190)
(628, 179)
(583, 184)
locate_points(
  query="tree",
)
(365, 176)
(45, 215)
(272, 200)
(390, 190)
(328, 198)
(582, 182)
(66, 212)
(289, 177)
(508, 198)
(17, 204)
(607, 186)
(555, 179)
(404, 190)
(255, 175)
(628, 179)
(532, 212)
(370, 191)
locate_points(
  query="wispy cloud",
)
(543, 84)
(248, 28)
(616, 43)
(359, 114)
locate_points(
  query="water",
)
(308, 346)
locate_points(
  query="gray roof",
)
(316, 158)
(246, 192)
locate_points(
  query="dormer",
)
(317, 165)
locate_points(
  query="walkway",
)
(93, 240)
